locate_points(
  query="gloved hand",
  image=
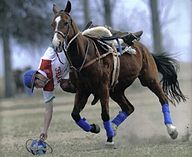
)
(43, 136)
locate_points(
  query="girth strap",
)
(116, 64)
(97, 59)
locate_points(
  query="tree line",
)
(28, 22)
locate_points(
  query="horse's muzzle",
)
(57, 44)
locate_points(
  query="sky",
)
(181, 28)
(178, 29)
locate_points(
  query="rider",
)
(53, 70)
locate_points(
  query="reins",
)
(59, 58)
(83, 65)
(65, 49)
(68, 58)
(67, 46)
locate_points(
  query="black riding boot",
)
(67, 86)
(132, 37)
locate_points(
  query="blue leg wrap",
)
(108, 128)
(82, 123)
(166, 113)
(120, 118)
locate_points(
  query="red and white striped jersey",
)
(55, 67)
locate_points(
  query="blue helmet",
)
(29, 79)
(38, 147)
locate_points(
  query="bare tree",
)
(191, 23)
(9, 82)
(86, 11)
(191, 65)
(24, 21)
(107, 12)
(156, 28)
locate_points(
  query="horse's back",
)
(149, 65)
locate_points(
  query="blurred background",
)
(26, 32)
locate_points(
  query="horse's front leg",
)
(80, 101)
(105, 115)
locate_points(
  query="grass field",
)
(143, 134)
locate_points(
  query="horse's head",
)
(62, 26)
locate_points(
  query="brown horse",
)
(91, 73)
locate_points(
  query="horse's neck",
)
(78, 47)
(73, 39)
(79, 43)
(77, 50)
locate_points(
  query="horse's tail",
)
(168, 67)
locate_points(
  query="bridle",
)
(67, 45)
(60, 33)
(68, 22)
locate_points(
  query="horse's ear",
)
(55, 9)
(68, 7)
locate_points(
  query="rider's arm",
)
(47, 119)
(48, 98)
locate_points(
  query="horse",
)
(92, 69)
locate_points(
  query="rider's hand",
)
(43, 136)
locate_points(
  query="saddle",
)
(127, 37)
(104, 37)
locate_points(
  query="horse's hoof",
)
(172, 131)
(174, 134)
(95, 128)
(114, 127)
(109, 142)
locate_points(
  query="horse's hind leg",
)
(80, 101)
(126, 107)
(153, 84)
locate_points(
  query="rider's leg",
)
(67, 86)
